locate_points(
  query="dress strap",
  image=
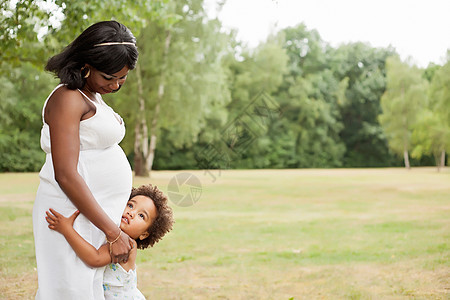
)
(97, 98)
(86, 95)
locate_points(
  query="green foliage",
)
(196, 89)
(194, 79)
(30, 33)
(431, 134)
(362, 69)
(19, 152)
(310, 123)
(23, 91)
(246, 139)
(440, 92)
(33, 30)
(79, 15)
(20, 22)
(402, 102)
(326, 105)
(306, 50)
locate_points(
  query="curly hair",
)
(164, 220)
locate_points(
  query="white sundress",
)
(120, 284)
(105, 169)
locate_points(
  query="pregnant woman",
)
(85, 168)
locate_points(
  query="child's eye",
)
(130, 205)
(141, 215)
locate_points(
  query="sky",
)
(418, 29)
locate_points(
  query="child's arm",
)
(91, 256)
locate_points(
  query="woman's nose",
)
(114, 85)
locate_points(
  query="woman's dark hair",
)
(164, 220)
(108, 59)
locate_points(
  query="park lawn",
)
(275, 234)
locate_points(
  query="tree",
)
(254, 79)
(32, 31)
(430, 136)
(402, 102)
(22, 91)
(20, 22)
(185, 81)
(144, 149)
(362, 68)
(432, 133)
(308, 131)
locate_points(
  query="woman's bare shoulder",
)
(65, 100)
(66, 94)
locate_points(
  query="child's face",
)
(138, 216)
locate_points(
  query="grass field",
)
(275, 234)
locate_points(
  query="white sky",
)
(419, 29)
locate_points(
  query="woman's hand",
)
(120, 249)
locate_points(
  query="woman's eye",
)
(107, 78)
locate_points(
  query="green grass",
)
(275, 234)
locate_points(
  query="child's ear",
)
(144, 235)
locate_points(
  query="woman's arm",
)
(64, 111)
(91, 256)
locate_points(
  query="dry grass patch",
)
(275, 234)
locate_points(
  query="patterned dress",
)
(120, 284)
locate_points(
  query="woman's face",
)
(137, 217)
(103, 83)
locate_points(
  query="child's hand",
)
(60, 223)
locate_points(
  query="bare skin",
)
(136, 220)
(63, 113)
(86, 252)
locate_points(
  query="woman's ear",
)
(144, 235)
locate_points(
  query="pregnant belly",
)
(109, 177)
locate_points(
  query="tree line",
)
(200, 99)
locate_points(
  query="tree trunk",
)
(141, 132)
(405, 133)
(406, 159)
(151, 153)
(441, 162)
(139, 165)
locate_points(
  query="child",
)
(146, 219)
